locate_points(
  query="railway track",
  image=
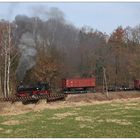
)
(49, 98)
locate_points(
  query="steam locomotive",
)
(33, 90)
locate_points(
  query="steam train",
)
(69, 86)
(79, 85)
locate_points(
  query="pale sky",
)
(102, 16)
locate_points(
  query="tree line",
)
(32, 49)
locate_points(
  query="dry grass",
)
(11, 122)
(84, 119)
(60, 116)
(71, 101)
(121, 122)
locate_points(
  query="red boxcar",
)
(78, 85)
(137, 84)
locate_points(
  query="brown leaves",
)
(47, 67)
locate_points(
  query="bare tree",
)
(8, 55)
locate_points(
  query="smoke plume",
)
(28, 53)
(26, 36)
(46, 13)
(26, 45)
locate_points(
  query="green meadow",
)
(107, 120)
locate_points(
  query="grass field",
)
(115, 119)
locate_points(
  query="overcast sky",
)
(102, 16)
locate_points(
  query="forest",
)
(33, 49)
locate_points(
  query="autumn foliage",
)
(64, 51)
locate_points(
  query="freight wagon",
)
(137, 84)
(78, 85)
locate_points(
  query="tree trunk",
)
(5, 72)
(0, 87)
(9, 62)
